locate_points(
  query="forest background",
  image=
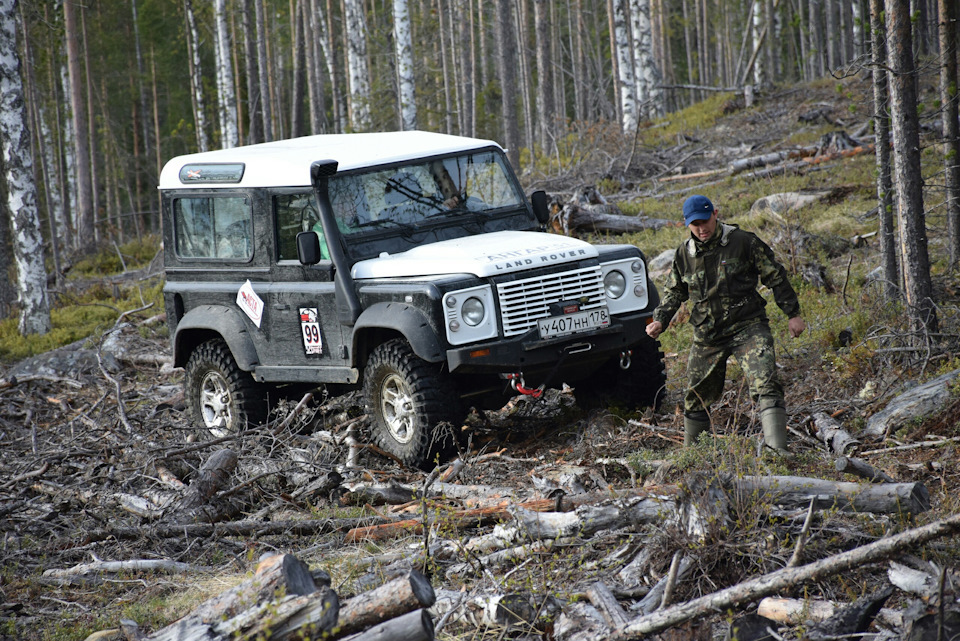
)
(111, 90)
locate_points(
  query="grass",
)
(82, 311)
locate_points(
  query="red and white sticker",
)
(250, 303)
(310, 331)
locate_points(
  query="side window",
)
(294, 213)
(213, 227)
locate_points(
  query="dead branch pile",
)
(518, 537)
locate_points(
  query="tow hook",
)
(625, 358)
(518, 385)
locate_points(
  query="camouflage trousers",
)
(707, 369)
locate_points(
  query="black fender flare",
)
(228, 323)
(409, 321)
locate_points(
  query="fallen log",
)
(601, 597)
(794, 491)
(781, 579)
(412, 626)
(574, 217)
(196, 504)
(831, 432)
(399, 596)
(795, 611)
(285, 601)
(859, 467)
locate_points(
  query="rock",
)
(662, 262)
(919, 401)
(783, 203)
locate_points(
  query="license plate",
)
(572, 323)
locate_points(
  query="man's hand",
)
(795, 324)
(654, 329)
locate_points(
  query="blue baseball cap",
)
(696, 208)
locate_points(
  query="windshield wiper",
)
(407, 228)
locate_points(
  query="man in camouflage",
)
(717, 269)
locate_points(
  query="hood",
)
(485, 255)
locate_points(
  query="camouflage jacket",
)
(719, 277)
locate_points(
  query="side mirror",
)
(308, 247)
(539, 201)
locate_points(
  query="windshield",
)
(403, 197)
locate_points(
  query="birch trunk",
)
(91, 129)
(467, 72)
(628, 95)
(315, 80)
(647, 74)
(21, 189)
(906, 145)
(951, 135)
(81, 144)
(196, 78)
(406, 83)
(520, 30)
(226, 96)
(759, 68)
(358, 74)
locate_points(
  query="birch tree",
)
(647, 74)
(951, 135)
(358, 73)
(226, 94)
(881, 126)
(252, 69)
(21, 189)
(918, 287)
(628, 95)
(196, 77)
(403, 46)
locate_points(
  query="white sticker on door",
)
(250, 303)
(310, 331)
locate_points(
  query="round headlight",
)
(614, 284)
(472, 311)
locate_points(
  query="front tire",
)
(406, 398)
(223, 399)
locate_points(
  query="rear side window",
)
(213, 227)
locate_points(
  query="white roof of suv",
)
(286, 163)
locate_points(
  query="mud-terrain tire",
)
(643, 384)
(222, 398)
(406, 398)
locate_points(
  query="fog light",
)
(639, 291)
(451, 301)
(454, 326)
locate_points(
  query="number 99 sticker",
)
(310, 331)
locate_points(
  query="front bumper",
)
(574, 357)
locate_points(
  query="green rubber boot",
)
(774, 422)
(693, 427)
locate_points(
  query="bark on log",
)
(831, 432)
(601, 596)
(279, 573)
(574, 217)
(404, 594)
(412, 626)
(861, 468)
(230, 614)
(923, 584)
(213, 475)
(793, 491)
(775, 581)
(795, 611)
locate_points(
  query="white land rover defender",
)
(408, 263)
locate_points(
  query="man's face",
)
(703, 229)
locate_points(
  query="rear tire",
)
(406, 397)
(222, 398)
